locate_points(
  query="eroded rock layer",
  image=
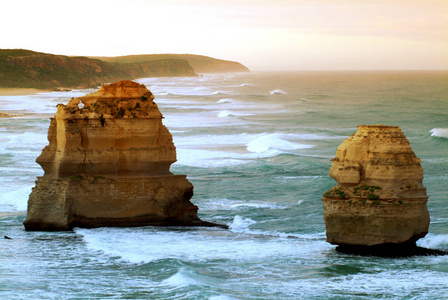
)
(379, 199)
(107, 164)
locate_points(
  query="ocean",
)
(257, 148)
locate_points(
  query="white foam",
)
(221, 297)
(180, 279)
(28, 139)
(16, 200)
(39, 103)
(192, 119)
(440, 132)
(225, 100)
(220, 93)
(207, 150)
(230, 204)
(241, 224)
(205, 158)
(274, 141)
(434, 241)
(211, 158)
(224, 113)
(391, 284)
(278, 92)
(228, 113)
(147, 244)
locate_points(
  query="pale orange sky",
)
(263, 35)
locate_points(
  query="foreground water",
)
(257, 148)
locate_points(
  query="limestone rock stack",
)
(379, 199)
(107, 164)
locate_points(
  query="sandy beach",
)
(19, 91)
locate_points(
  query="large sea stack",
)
(107, 164)
(379, 204)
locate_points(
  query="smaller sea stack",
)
(379, 205)
(107, 164)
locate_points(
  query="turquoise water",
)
(257, 148)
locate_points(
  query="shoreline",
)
(4, 114)
(21, 91)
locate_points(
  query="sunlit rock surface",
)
(379, 199)
(108, 164)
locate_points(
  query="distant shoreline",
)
(16, 92)
(21, 91)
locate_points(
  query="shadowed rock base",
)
(390, 250)
(95, 201)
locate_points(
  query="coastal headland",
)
(28, 69)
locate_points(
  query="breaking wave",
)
(440, 132)
(278, 92)
(274, 141)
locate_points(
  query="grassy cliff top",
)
(200, 63)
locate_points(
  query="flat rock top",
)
(120, 89)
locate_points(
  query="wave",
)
(393, 283)
(148, 244)
(224, 113)
(228, 204)
(16, 200)
(278, 92)
(440, 132)
(219, 93)
(242, 225)
(274, 141)
(221, 297)
(228, 113)
(225, 100)
(245, 84)
(182, 278)
(28, 141)
(434, 241)
(207, 150)
(208, 159)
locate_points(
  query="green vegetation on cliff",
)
(29, 69)
(200, 63)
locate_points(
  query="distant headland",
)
(201, 64)
(20, 68)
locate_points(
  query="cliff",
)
(29, 69)
(107, 164)
(380, 198)
(201, 64)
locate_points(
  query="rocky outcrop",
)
(379, 199)
(107, 164)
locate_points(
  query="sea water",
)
(257, 148)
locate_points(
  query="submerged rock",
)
(379, 204)
(107, 164)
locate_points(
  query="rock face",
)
(107, 164)
(379, 199)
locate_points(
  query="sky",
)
(261, 34)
